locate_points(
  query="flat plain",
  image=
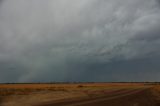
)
(80, 94)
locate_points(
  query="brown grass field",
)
(80, 94)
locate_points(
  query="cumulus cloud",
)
(58, 40)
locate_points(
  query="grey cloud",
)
(158, 1)
(67, 40)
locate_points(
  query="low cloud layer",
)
(79, 40)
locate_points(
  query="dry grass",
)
(24, 89)
(156, 92)
(17, 94)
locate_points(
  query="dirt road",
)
(124, 97)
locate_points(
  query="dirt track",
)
(134, 97)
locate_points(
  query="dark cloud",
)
(87, 40)
(158, 1)
(150, 35)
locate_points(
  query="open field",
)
(80, 94)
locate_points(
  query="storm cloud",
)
(79, 40)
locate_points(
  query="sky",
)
(79, 40)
